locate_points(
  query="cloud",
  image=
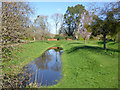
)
(58, 9)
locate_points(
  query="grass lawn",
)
(89, 66)
(83, 65)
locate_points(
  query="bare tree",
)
(15, 16)
(57, 19)
(85, 34)
(86, 20)
(42, 27)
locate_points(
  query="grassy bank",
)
(83, 65)
(25, 54)
(89, 66)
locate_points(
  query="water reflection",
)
(46, 69)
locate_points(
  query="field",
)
(83, 65)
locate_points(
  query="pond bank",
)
(28, 52)
(88, 65)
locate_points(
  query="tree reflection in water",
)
(47, 67)
(42, 61)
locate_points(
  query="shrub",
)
(58, 37)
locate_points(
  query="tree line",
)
(17, 25)
(78, 22)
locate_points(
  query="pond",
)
(44, 70)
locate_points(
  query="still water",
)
(46, 69)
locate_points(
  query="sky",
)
(50, 8)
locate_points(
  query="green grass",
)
(88, 66)
(27, 53)
(83, 65)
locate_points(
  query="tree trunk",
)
(69, 30)
(84, 41)
(34, 38)
(104, 38)
(56, 29)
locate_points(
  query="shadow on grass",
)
(114, 43)
(110, 42)
(90, 48)
(101, 42)
(75, 43)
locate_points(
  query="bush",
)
(48, 37)
(70, 37)
(81, 39)
(58, 37)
